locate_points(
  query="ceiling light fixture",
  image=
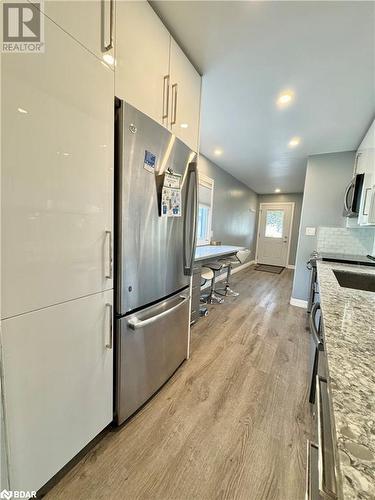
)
(285, 98)
(21, 110)
(184, 125)
(218, 152)
(294, 142)
(277, 190)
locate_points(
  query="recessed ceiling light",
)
(109, 59)
(21, 110)
(294, 141)
(218, 152)
(277, 190)
(184, 125)
(285, 98)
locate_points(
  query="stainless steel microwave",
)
(352, 198)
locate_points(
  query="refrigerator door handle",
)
(136, 324)
(190, 230)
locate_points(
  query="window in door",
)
(274, 223)
(205, 203)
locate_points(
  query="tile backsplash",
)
(343, 240)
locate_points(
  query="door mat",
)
(269, 269)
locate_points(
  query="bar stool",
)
(240, 257)
(215, 267)
(206, 275)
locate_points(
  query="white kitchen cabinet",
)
(57, 175)
(365, 164)
(184, 98)
(58, 385)
(153, 74)
(90, 22)
(142, 59)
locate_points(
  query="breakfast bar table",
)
(204, 254)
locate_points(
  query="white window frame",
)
(209, 183)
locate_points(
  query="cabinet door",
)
(184, 98)
(142, 59)
(90, 22)
(57, 385)
(57, 174)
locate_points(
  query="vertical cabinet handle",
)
(110, 343)
(174, 103)
(165, 97)
(109, 46)
(109, 275)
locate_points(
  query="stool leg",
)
(213, 298)
(227, 289)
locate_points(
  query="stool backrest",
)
(242, 255)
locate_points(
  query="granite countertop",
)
(349, 330)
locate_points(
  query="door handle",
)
(165, 97)
(136, 324)
(109, 275)
(313, 329)
(190, 236)
(110, 343)
(327, 466)
(174, 104)
(109, 46)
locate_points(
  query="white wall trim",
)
(291, 266)
(298, 302)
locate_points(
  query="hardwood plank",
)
(232, 423)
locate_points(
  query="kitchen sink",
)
(358, 281)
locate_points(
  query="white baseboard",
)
(242, 266)
(298, 302)
(290, 266)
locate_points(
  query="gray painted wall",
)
(327, 176)
(295, 198)
(232, 221)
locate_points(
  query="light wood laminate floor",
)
(232, 423)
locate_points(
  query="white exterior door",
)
(275, 222)
(57, 174)
(58, 385)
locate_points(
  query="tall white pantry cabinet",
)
(56, 235)
(57, 163)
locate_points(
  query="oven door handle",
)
(313, 329)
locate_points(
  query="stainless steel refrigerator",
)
(154, 256)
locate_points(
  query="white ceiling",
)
(248, 52)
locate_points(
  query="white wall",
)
(234, 208)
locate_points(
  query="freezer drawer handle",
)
(136, 324)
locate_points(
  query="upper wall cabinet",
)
(153, 74)
(142, 59)
(57, 175)
(89, 22)
(365, 164)
(184, 97)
